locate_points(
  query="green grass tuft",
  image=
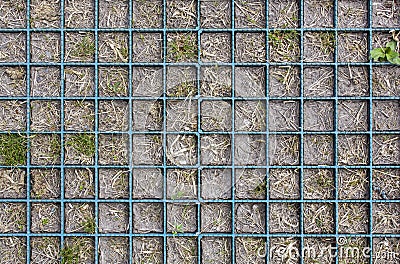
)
(89, 225)
(70, 254)
(85, 48)
(83, 143)
(13, 149)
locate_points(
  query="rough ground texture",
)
(163, 134)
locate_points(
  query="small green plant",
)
(261, 188)
(178, 228)
(85, 48)
(183, 48)
(83, 143)
(13, 149)
(89, 225)
(327, 41)
(70, 254)
(389, 53)
(45, 221)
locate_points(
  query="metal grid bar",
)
(233, 201)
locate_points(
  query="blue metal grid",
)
(301, 235)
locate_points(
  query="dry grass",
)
(181, 218)
(45, 115)
(12, 47)
(318, 150)
(79, 218)
(353, 81)
(387, 249)
(45, 14)
(79, 183)
(318, 115)
(387, 180)
(357, 244)
(249, 14)
(12, 81)
(181, 81)
(182, 149)
(318, 14)
(318, 81)
(113, 47)
(284, 218)
(319, 46)
(250, 47)
(113, 81)
(147, 81)
(45, 81)
(318, 184)
(182, 250)
(216, 81)
(215, 47)
(147, 149)
(250, 218)
(45, 184)
(284, 150)
(384, 13)
(147, 47)
(249, 82)
(283, 116)
(216, 250)
(282, 250)
(182, 115)
(79, 115)
(79, 14)
(79, 249)
(250, 150)
(147, 250)
(352, 47)
(284, 81)
(215, 14)
(113, 250)
(317, 250)
(384, 86)
(216, 183)
(147, 14)
(147, 183)
(45, 47)
(318, 218)
(250, 115)
(182, 14)
(113, 115)
(113, 149)
(13, 250)
(147, 115)
(12, 14)
(284, 184)
(12, 115)
(248, 249)
(113, 218)
(353, 150)
(45, 149)
(386, 149)
(216, 116)
(386, 115)
(353, 184)
(12, 218)
(12, 183)
(353, 218)
(215, 150)
(352, 14)
(79, 81)
(45, 218)
(45, 250)
(147, 217)
(216, 217)
(283, 14)
(79, 149)
(352, 115)
(113, 14)
(386, 218)
(182, 184)
(114, 184)
(250, 184)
